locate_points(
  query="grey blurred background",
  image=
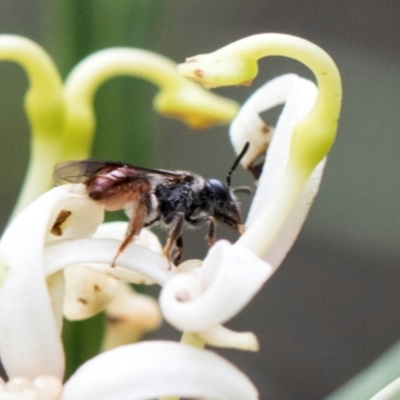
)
(332, 307)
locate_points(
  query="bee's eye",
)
(217, 190)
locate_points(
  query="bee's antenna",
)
(242, 189)
(235, 164)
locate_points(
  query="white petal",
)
(219, 336)
(56, 286)
(151, 370)
(117, 230)
(61, 254)
(27, 394)
(229, 277)
(90, 287)
(87, 292)
(29, 335)
(248, 125)
(43, 387)
(299, 101)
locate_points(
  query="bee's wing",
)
(77, 171)
(82, 171)
(155, 172)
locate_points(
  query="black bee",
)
(149, 196)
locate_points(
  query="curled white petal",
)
(248, 126)
(150, 370)
(117, 230)
(229, 277)
(91, 287)
(219, 336)
(300, 95)
(24, 296)
(61, 254)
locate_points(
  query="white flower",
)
(26, 309)
(90, 288)
(55, 232)
(158, 369)
(215, 291)
(140, 371)
(30, 344)
(299, 95)
(231, 275)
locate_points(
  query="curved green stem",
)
(44, 106)
(314, 134)
(177, 98)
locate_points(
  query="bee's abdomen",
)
(116, 188)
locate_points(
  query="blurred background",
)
(330, 310)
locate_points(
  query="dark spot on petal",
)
(62, 216)
(265, 129)
(199, 72)
(113, 320)
(97, 288)
(83, 301)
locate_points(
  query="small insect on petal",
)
(149, 196)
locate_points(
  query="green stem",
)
(174, 100)
(44, 105)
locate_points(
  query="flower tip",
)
(246, 83)
(186, 70)
(219, 69)
(248, 342)
(196, 107)
(219, 336)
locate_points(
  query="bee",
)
(173, 199)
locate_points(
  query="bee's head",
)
(223, 204)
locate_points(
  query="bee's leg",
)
(211, 234)
(179, 248)
(174, 234)
(210, 237)
(135, 225)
